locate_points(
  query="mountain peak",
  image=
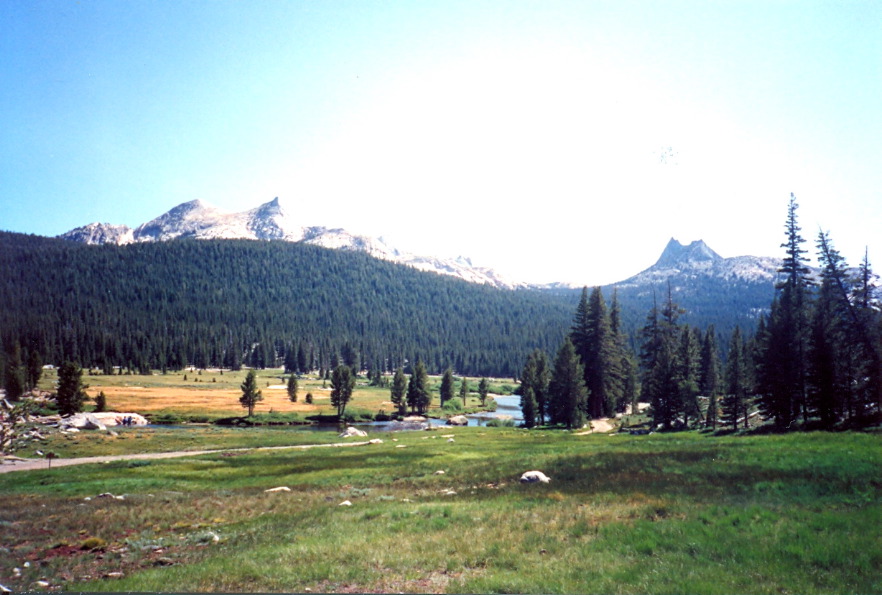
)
(677, 255)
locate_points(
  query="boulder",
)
(534, 477)
(278, 489)
(112, 418)
(83, 421)
(458, 420)
(350, 432)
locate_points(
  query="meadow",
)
(209, 395)
(682, 512)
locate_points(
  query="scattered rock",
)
(451, 440)
(458, 420)
(439, 472)
(375, 441)
(109, 495)
(534, 477)
(5, 589)
(278, 489)
(345, 503)
(113, 575)
(42, 584)
(449, 493)
(400, 446)
(350, 432)
(413, 419)
(16, 572)
(163, 562)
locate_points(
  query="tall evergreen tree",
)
(464, 390)
(710, 374)
(540, 387)
(446, 391)
(251, 395)
(688, 369)
(34, 368)
(529, 405)
(418, 396)
(342, 385)
(398, 391)
(594, 343)
(567, 391)
(71, 393)
(483, 390)
(783, 371)
(659, 360)
(735, 405)
(292, 388)
(14, 379)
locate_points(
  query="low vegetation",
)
(682, 512)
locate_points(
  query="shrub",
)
(93, 543)
(453, 405)
(500, 423)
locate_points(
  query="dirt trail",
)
(31, 464)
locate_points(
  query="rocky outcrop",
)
(458, 420)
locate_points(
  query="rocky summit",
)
(199, 220)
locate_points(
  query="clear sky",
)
(553, 141)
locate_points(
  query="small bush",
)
(309, 398)
(500, 423)
(454, 405)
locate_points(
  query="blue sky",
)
(554, 141)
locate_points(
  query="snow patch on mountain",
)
(679, 262)
(199, 220)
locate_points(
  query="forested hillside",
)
(233, 302)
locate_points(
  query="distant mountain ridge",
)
(270, 221)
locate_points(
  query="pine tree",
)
(34, 369)
(536, 375)
(464, 390)
(567, 391)
(735, 405)
(398, 391)
(529, 405)
(658, 358)
(622, 370)
(688, 368)
(710, 374)
(483, 391)
(418, 396)
(342, 385)
(446, 386)
(292, 388)
(594, 343)
(14, 380)
(251, 395)
(71, 393)
(782, 378)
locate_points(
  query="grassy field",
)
(212, 394)
(688, 512)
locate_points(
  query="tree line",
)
(234, 303)
(815, 360)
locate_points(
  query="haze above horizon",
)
(561, 141)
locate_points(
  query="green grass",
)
(662, 513)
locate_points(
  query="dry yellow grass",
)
(200, 400)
